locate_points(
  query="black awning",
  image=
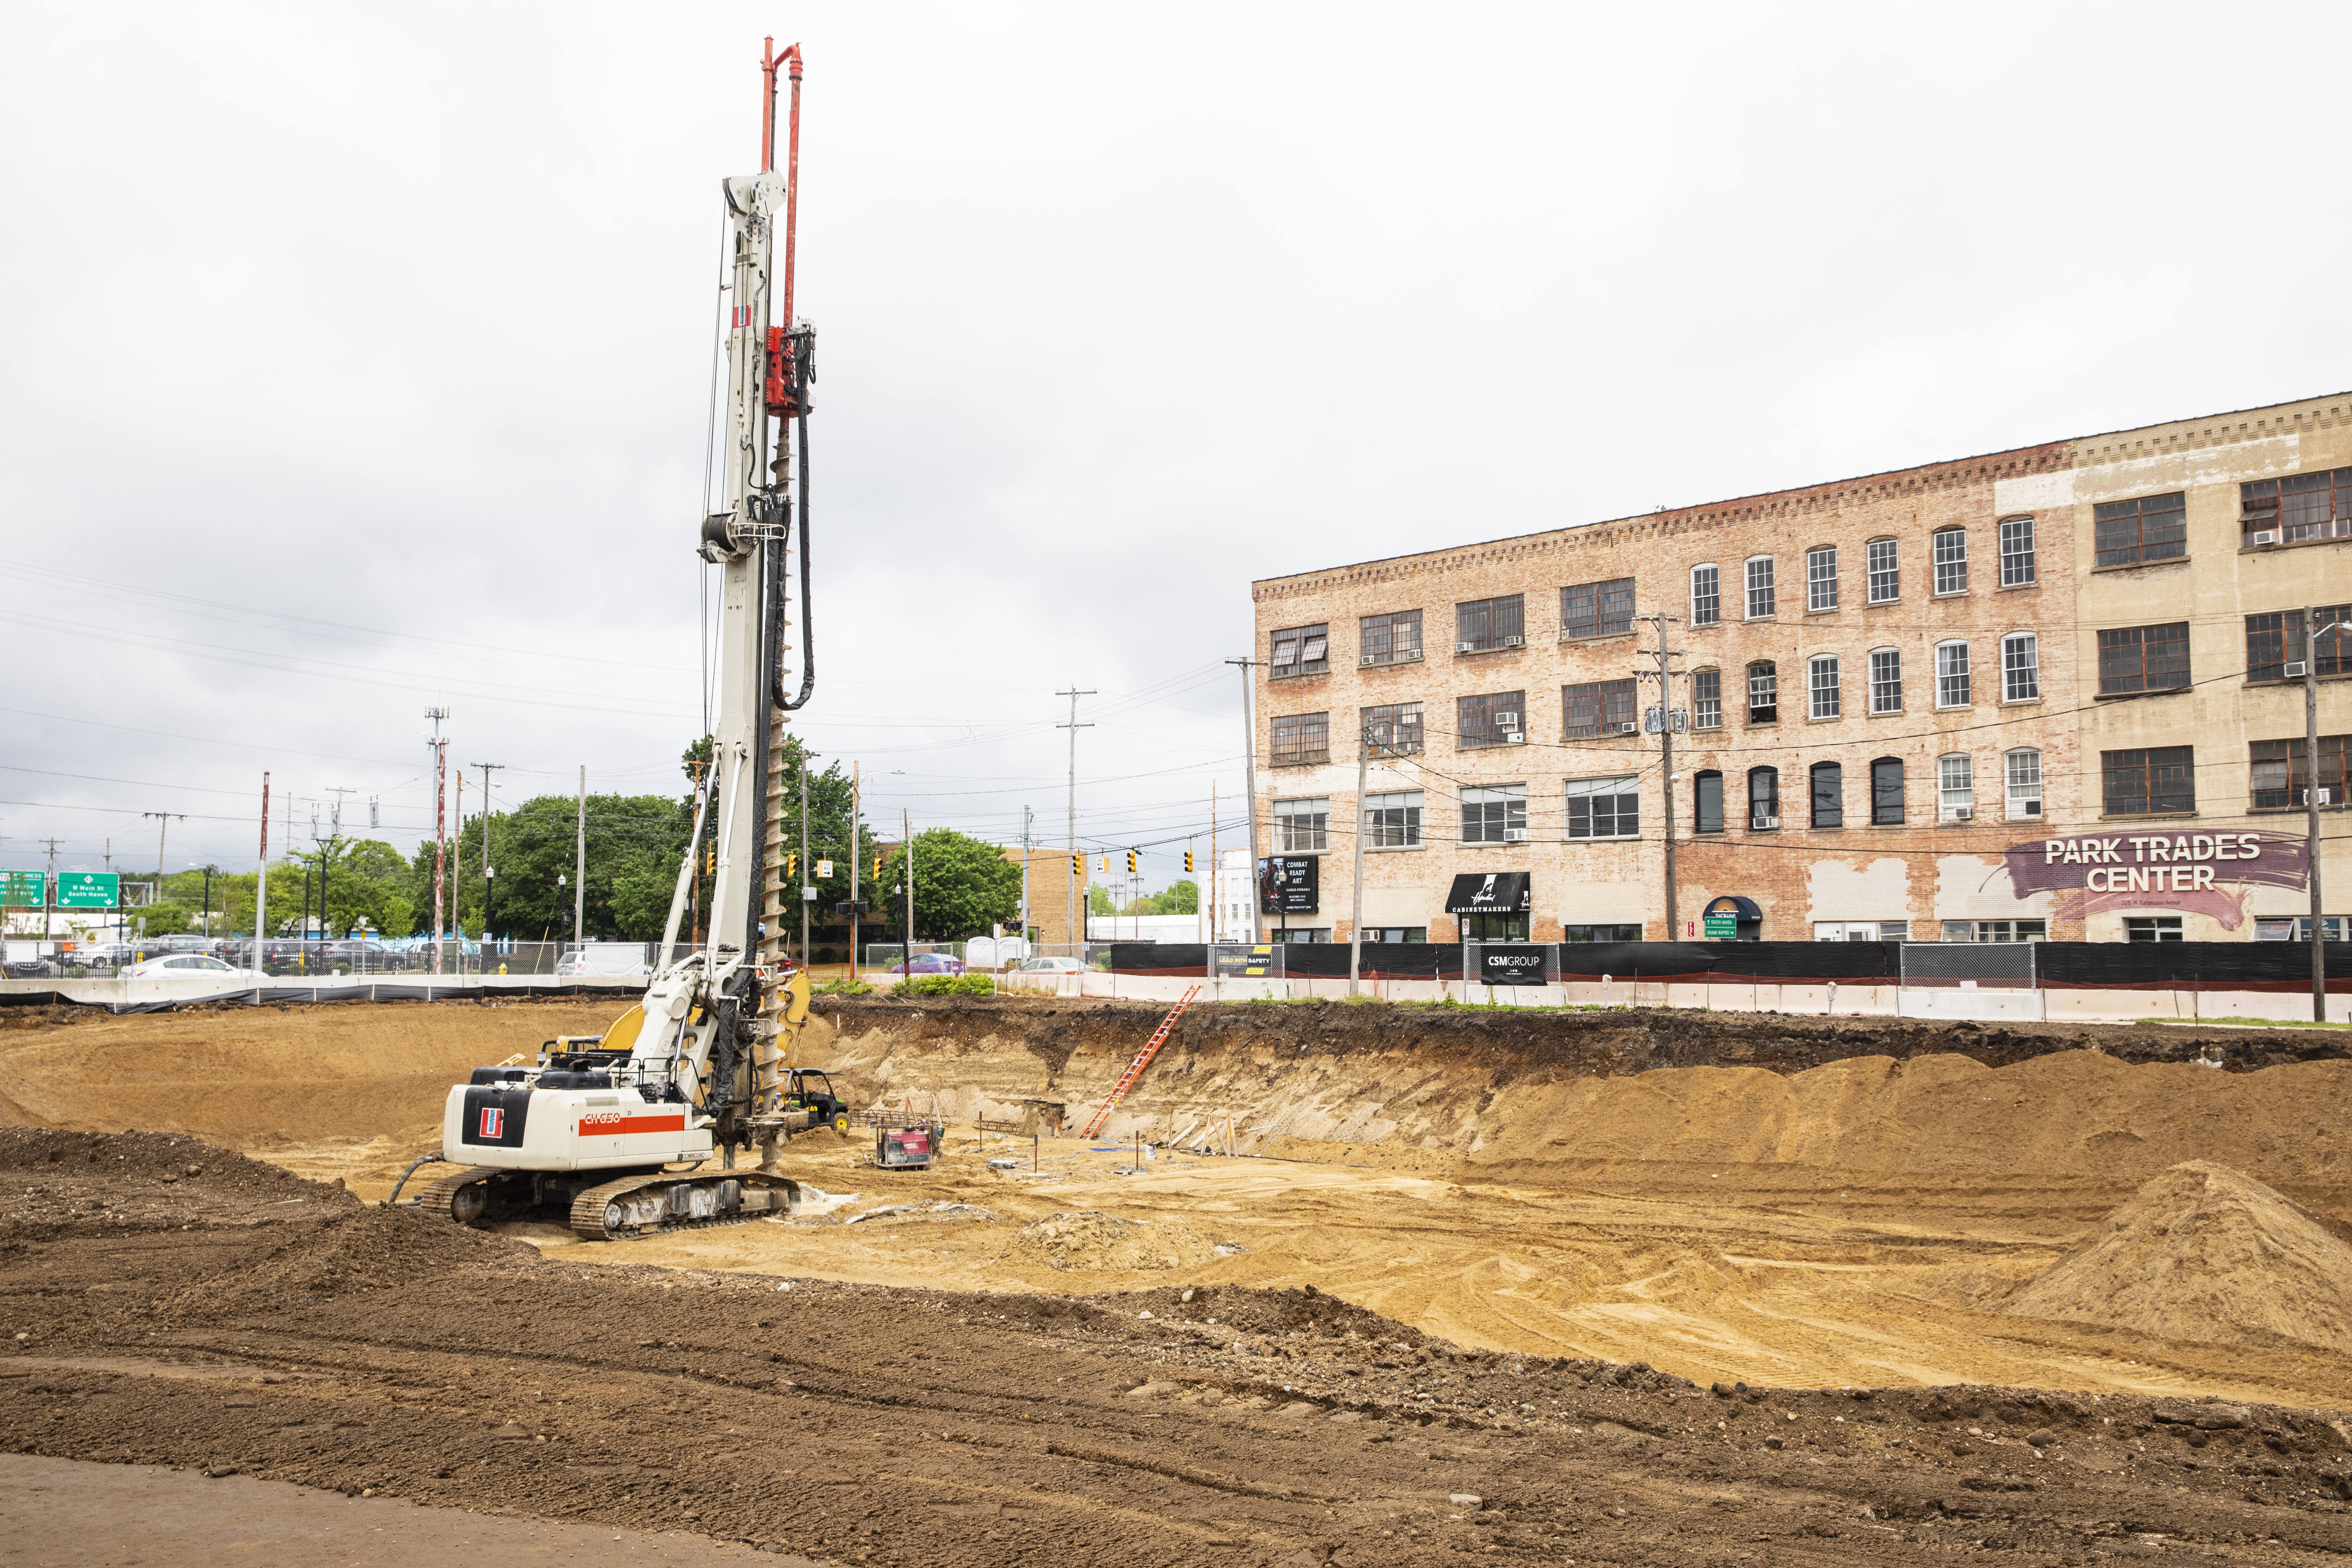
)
(1736, 906)
(1489, 893)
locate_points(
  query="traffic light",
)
(877, 864)
(1130, 862)
(1188, 862)
(1106, 865)
(710, 861)
(792, 866)
(1077, 865)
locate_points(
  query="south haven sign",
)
(2204, 873)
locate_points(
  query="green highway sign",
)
(21, 888)
(1722, 928)
(89, 890)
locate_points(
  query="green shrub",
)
(841, 988)
(947, 986)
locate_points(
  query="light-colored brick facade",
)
(2010, 754)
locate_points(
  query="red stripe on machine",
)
(609, 1125)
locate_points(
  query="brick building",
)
(2038, 692)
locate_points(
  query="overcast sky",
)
(358, 356)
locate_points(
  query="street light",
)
(489, 889)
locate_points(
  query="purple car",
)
(928, 964)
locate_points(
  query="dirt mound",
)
(1089, 1240)
(164, 1158)
(2203, 1252)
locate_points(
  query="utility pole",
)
(261, 890)
(48, 888)
(1026, 816)
(1666, 671)
(163, 825)
(1249, 778)
(906, 832)
(488, 768)
(1356, 918)
(2313, 632)
(580, 866)
(1215, 868)
(856, 806)
(440, 828)
(1077, 881)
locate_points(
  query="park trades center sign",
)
(2204, 873)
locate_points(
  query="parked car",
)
(185, 964)
(97, 955)
(1056, 966)
(928, 964)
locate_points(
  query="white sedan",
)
(185, 963)
(1056, 965)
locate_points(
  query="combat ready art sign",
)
(2202, 873)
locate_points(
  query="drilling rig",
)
(611, 1133)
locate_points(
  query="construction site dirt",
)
(1467, 1283)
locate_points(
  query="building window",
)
(1886, 578)
(2016, 552)
(1862, 931)
(1821, 686)
(1886, 793)
(1393, 728)
(1300, 738)
(2305, 506)
(1302, 827)
(2159, 781)
(1302, 650)
(2152, 928)
(1598, 708)
(1392, 638)
(2132, 532)
(1763, 799)
(2143, 658)
(2331, 929)
(1763, 694)
(2276, 640)
(1494, 813)
(1760, 587)
(1603, 809)
(1392, 821)
(1483, 624)
(2280, 777)
(1597, 609)
(1952, 674)
(1497, 719)
(1956, 788)
(1707, 803)
(1706, 699)
(1829, 794)
(2020, 667)
(1887, 681)
(1601, 933)
(1821, 578)
(2022, 769)
(1996, 931)
(1951, 558)
(1707, 596)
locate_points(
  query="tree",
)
(962, 887)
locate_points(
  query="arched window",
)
(2020, 667)
(1709, 801)
(1950, 556)
(1763, 692)
(1952, 683)
(1829, 795)
(1884, 571)
(2022, 769)
(1706, 594)
(1763, 799)
(1956, 788)
(1886, 793)
(1887, 681)
(1761, 600)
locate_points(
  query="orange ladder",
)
(1143, 1060)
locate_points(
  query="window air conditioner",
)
(1629, 728)
(1758, 824)
(1514, 642)
(1465, 648)
(2033, 808)
(1514, 737)
(2328, 798)
(1514, 835)
(2296, 671)
(1506, 720)
(1961, 813)
(1370, 658)
(1413, 654)
(2267, 536)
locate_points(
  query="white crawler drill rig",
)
(610, 1133)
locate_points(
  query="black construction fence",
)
(2057, 965)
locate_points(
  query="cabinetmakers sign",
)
(2203, 873)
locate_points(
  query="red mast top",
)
(769, 62)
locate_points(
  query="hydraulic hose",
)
(423, 1160)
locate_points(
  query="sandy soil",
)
(162, 1303)
(1862, 1209)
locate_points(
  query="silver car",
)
(185, 963)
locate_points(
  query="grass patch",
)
(2259, 1023)
(947, 986)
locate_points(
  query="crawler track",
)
(598, 1213)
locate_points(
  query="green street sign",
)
(1722, 928)
(21, 888)
(89, 890)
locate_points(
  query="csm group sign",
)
(2207, 873)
